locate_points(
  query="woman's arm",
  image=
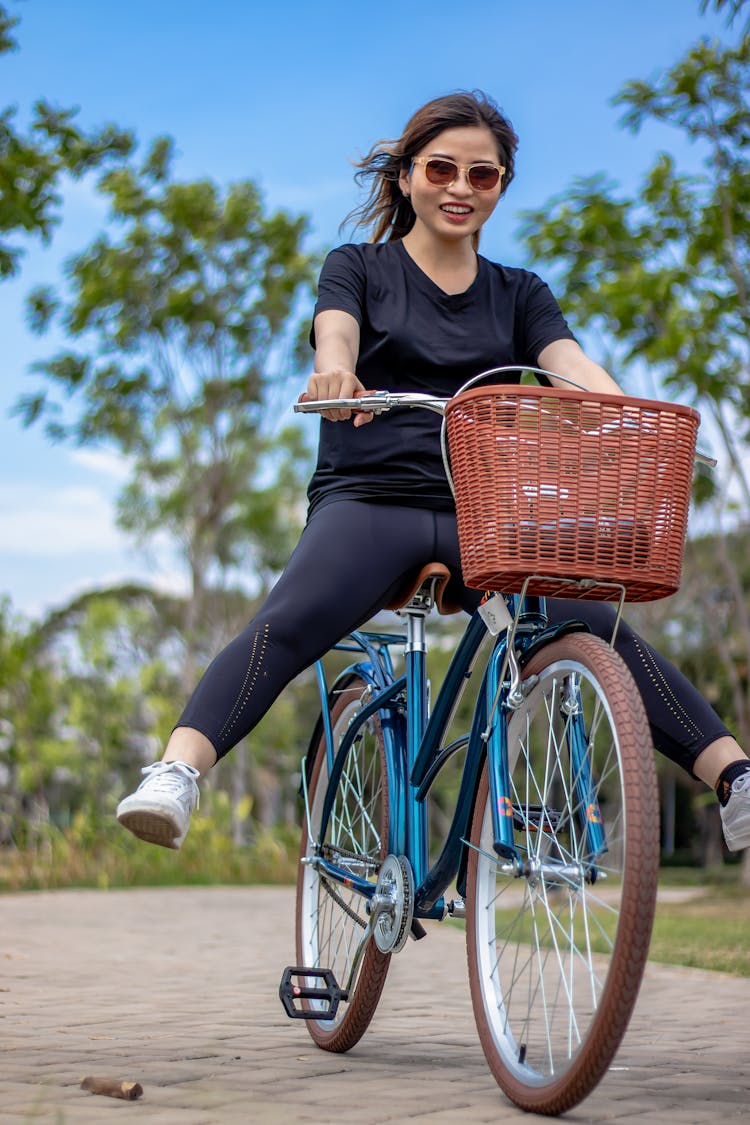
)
(336, 351)
(566, 357)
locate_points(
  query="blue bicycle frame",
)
(415, 755)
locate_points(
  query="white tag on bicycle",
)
(494, 613)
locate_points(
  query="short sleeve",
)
(341, 284)
(543, 321)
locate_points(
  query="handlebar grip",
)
(373, 402)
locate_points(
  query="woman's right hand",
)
(336, 383)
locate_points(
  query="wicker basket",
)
(569, 485)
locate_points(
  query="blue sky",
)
(288, 94)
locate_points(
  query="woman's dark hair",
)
(386, 210)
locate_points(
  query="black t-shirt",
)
(415, 337)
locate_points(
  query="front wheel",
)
(556, 953)
(330, 918)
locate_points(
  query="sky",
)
(288, 94)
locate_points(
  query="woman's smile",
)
(456, 211)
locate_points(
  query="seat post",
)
(415, 611)
(416, 634)
(415, 654)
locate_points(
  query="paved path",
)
(177, 989)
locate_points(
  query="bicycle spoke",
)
(544, 939)
(330, 921)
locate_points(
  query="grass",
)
(708, 932)
(102, 855)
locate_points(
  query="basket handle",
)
(517, 367)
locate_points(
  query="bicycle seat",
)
(435, 574)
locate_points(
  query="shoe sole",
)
(152, 827)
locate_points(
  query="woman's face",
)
(457, 210)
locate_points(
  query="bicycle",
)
(554, 844)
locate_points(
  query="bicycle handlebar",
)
(374, 402)
(379, 402)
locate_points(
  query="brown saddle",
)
(435, 573)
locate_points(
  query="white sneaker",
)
(735, 815)
(159, 810)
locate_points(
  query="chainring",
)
(396, 881)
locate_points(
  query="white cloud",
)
(40, 521)
(57, 543)
(99, 461)
(163, 581)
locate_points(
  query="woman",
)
(416, 308)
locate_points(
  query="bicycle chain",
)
(328, 887)
(329, 851)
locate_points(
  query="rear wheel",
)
(330, 918)
(556, 955)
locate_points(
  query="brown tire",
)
(330, 918)
(556, 954)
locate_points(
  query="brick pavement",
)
(177, 989)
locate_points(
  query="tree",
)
(665, 277)
(732, 8)
(184, 314)
(28, 704)
(34, 163)
(666, 274)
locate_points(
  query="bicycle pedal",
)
(295, 988)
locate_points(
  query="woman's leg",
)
(351, 558)
(711, 762)
(684, 726)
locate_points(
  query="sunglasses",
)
(443, 173)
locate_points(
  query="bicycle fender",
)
(549, 634)
(386, 705)
(368, 673)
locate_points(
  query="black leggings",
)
(350, 561)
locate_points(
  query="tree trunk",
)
(745, 869)
(238, 793)
(669, 803)
(711, 837)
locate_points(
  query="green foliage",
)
(666, 273)
(82, 696)
(177, 311)
(99, 853)
(35, 162)
(27, 705)
(731, 8)
(664, 277)
(87, 698)
(703, 628)
(183, 313)
(182, 322)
